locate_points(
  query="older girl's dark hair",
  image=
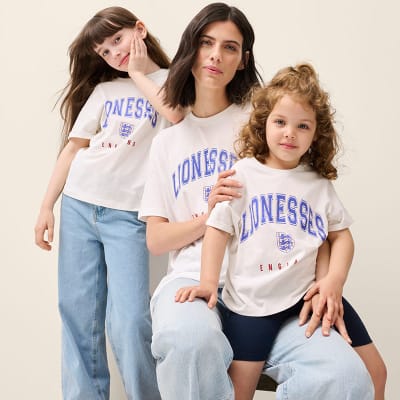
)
(179, 86)
(301, 82)
(87, 68)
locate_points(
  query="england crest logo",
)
(285, 242)
(125, 129)
(206, 192)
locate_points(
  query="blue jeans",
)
(104, 280)
(193, 356)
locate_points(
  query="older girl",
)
(109, 123)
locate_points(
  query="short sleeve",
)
(154, 199)
(88, 122)
(338, 217)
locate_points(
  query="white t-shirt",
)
(277, 226)
(185, 161)
(121, 125)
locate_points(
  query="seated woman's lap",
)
(188, 343)
(297, 363)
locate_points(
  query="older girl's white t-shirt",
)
(121, 124)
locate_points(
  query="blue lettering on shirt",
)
(278, 208)
(204, 163)
(130, 107)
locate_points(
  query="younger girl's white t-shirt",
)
(277, 226)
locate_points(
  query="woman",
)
(214, 73)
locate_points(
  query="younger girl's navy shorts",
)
(252, 338)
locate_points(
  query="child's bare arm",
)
(212, 256)
(45, 221)
(331, 273)
(137, 67)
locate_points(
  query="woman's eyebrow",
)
(224, 41)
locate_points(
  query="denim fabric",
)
(193, 356)
(192, 353)
(321, 367)
(104, 280)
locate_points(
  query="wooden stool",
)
(266, 384)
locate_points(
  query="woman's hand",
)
(224, 189)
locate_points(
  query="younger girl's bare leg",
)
(376, 368)
(245, 376)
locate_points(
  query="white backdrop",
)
(354, 45)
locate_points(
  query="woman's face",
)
(219, 55)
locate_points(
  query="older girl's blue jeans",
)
(104, 281)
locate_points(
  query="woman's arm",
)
(45, 221)
(163, 236)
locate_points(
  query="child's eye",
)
(303, 126)
(280, 122)
(117, 39)
(104, 53)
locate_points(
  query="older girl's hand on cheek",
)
(138, 56)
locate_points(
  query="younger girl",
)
(109, 123)
(288, 208)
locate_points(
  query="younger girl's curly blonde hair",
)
(302, 83)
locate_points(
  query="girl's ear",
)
(243, 63)
(141, 29)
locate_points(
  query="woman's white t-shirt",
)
(185, 161)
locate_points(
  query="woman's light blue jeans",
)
(193, 356)
(104, 280)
